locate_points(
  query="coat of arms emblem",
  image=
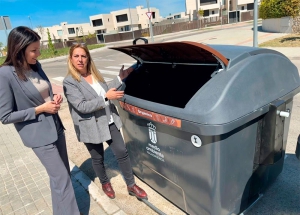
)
(152, 132)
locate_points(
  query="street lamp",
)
(4, 25)
(236, 7)
(197, 12)
(30, 22)
(130, 20)
(150, 24)
(255, 43)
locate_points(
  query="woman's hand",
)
(48, 107)
(114, 94)
(57, 98)
(124, 73)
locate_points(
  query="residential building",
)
(64, 32)
(216, 8)
(124, 20)
(181, 15)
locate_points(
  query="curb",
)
(95, 193)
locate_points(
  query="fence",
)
(175, 27)
(59, 45)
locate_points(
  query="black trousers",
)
(118, 148)
(54, 157)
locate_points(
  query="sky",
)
(33, 13)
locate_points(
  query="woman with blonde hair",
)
(95, 117)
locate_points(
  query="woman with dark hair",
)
(27, 101)
(95, 117)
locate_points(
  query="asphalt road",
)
(282, 197)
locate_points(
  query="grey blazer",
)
(18, 100)
(89, 111)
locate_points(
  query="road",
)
(283, 197)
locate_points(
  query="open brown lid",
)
(174, 52)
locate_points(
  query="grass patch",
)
(291, 40)
(46, 54)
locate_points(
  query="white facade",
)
(181, 15)
(212, 8)
(102, 23)
(143, 18)
(123, 20)
(64, 31)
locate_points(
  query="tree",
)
(50, 44)
(277, 8)
(82, 34)
(90, 36)
(200, 12)
(291, 7)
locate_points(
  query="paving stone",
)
(31, 209)
(27, 199)
(6, 209)
(16, 205)
(23, 191)
(21, 211)
(36, 195)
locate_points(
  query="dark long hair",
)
(18, 40)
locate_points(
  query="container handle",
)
(140, 38)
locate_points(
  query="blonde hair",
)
(91, 68)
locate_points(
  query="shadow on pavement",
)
(283, 196)
(110, 163)
(82, 196)
(259, 29)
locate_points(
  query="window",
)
(108, 19)
(177, 16)
(97, 22)
(71, 30)
(153, 15)
(206, 2)
(250, 6)
(243, 7)
(206, 13)
(126, 28)
(59, 32)
(122, 18)
(213, 12)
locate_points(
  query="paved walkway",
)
(24, 183)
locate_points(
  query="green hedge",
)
(279, 8)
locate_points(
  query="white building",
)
(64, 31)
(123, 20)
(181, 15)
(212, 8)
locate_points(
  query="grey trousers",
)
(54, 157)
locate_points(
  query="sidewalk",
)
(24, 183)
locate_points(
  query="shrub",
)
(279, 8)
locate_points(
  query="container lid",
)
(174, 52)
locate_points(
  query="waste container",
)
(206, 126)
